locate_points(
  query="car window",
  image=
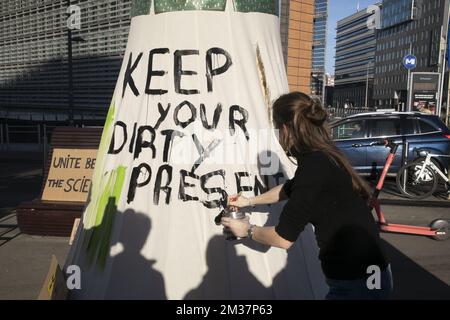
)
(425, 127)
(386, 127)
(409, 126)
(350, 130)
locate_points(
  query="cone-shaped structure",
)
(189, 124)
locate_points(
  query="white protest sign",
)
(190, 124)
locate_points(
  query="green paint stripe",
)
(120, 181)
(99, 242)
(98, 178)
(103, 202)
(110, 214)
(110, 115)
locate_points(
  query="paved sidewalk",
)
(391, 196)
(24, 260)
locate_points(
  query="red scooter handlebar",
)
(388, 144)
(390, 158)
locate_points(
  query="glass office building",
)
(34, 57)
(402, 34)
(354, 60)
(34, 81)
(319, 46)
(396, 12)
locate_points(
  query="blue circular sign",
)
(410, 62)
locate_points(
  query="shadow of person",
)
(133, 275)
(412, 281)
(228, 276)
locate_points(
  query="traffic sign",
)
(410, 62)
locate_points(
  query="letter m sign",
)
(410, 62)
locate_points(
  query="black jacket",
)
(321, 193)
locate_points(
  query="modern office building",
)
(34, 71)
(297, 18)
(354, 60)
(319, 47)
(408, 27)
(34, 82)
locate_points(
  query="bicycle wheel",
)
(416, 186)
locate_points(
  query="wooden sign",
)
(70, 174)
(54, 287)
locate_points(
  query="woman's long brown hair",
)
(306, 130)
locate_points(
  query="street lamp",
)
(71, 39)
(408, 85)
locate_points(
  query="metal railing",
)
(339, 113)
(34, 134)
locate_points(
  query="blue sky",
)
(339, 9)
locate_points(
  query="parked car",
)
(355, 135)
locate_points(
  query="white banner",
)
(189, 124)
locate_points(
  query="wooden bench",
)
(53, 218)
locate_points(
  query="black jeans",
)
(358, 289)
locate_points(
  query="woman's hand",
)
(237, 202)
(239, 227)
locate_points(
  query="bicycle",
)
(420, 178)
(438, 230)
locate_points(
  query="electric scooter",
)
(438, 230)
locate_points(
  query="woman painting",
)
(328, 193)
